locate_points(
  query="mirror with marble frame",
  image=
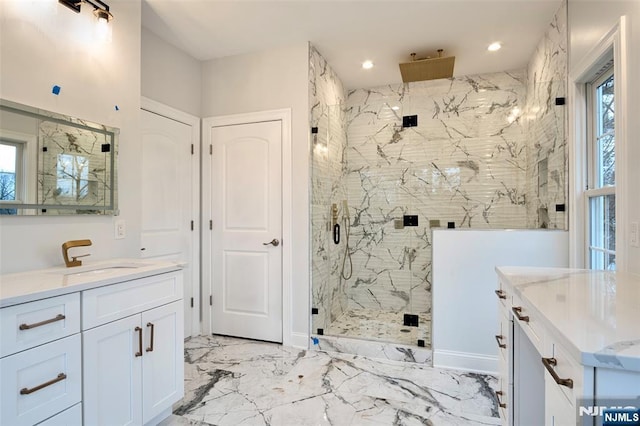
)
(52, 164)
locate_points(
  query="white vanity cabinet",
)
(95, 345)
(40, 368)
(504, 340)
(575, 345)
(133, 352)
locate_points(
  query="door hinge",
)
(192, 225)
(192, 302)
(210, 224)
(192, 149)
(211, 300)
(210, 149)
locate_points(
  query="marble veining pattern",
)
(381, 325)
(593, 314)
(544, 123)
(73, 168)
(240, 382)
(374, 349)
(463, 163)
(327, 97)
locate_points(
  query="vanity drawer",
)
(530, 324)
(565, 368)
(41, 382)
(31, 324)
(109, 303)
(69, 417)
(503, 294)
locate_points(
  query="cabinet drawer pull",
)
(58, 317)
(500, 403)
(501, 294)
(27, 391)
(139, 330)
(499, 340)
(549, 363)
(150, 348)
(517, 310)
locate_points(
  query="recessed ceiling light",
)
(367, 65)
(494, 46)
(395, 107)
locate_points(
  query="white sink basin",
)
(91, 270)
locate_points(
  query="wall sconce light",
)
(100, 9)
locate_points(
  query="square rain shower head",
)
(427, 69)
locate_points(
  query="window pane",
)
(605, 134)
(607, 161)
(605, 107)
(8, 172)
(602, 211)
(73, 176)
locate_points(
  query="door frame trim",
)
(284, 116)
(166, 111)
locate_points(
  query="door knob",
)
(273, 242)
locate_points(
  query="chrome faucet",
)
(74, 259)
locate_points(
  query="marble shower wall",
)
(327, 99)
(544, 124)
(465, 162)
(489, 151)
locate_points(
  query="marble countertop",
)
(24, 287)
(593, 314)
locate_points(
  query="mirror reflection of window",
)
(72, 176)
(10, 181)
(52, 164)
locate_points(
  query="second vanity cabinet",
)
(570, 344)
(108, 353)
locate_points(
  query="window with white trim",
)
(11, 182)
(601, 168)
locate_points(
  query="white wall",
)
(589, 21)
(465, 307)
(44, 44)
(169, 75)
(271, 80)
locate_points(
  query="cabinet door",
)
(112, 376)
(163, 359)
(559, 410)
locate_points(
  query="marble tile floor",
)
(231, 381)
(384, 326)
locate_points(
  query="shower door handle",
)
(275, 242)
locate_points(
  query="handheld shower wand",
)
(347, 224)
(336, 225)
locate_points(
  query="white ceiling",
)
(347, 32)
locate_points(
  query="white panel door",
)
(112, 373)
(167, 199)
(163, 359)
(247, 229)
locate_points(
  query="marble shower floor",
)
(381, 325)
(242, 382)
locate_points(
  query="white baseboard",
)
(476, 363)
(298, 340)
